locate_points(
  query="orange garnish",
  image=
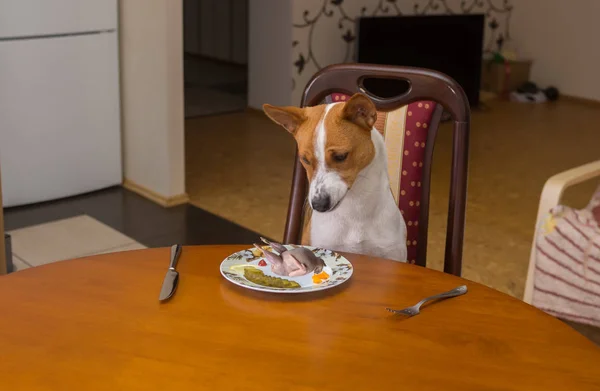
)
(319, 278)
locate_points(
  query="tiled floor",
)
(18, 264)
(107, 220)
(213, 88)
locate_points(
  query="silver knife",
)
(172, 276)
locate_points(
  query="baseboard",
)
(252, 110)
(161, 200)
(585, 101)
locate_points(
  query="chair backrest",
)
(409, 123)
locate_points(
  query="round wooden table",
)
(96, 324)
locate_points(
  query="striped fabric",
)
(567, 264)
(405, 132)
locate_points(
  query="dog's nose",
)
(321, 203)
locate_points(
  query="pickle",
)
(258, 277)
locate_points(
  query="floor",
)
(213, 87)
(239, 167)
(109, 220)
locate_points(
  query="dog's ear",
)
(360, 110)
(289, 117)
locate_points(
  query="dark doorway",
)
(215, 56)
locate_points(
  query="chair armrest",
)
(551, 195)
(556, 185)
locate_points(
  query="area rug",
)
(69, 238)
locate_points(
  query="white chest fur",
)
(367, 221)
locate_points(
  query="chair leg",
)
(458, 198)
(293, 226)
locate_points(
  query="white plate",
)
(338, 268)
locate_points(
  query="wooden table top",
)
(96, 324)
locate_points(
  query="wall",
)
(324, 31)
(152, 95)
(269, 53)
(562, 39)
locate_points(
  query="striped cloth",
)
(567, 264)
(405, 131)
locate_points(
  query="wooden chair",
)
(409, 123)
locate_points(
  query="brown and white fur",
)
(353, 208)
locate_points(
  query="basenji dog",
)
(353, 208)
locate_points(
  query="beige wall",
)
(562, 38)
(151, 50)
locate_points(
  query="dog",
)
(353, 208)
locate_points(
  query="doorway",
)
(215, 56)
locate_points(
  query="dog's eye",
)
(305, 160)
(340, 157)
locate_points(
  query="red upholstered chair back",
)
(409, 124)
(405, 131)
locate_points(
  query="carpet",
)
(64, 239)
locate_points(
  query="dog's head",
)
(334, 144)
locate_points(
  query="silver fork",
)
(414, 310)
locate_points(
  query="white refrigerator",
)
(59, 99)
